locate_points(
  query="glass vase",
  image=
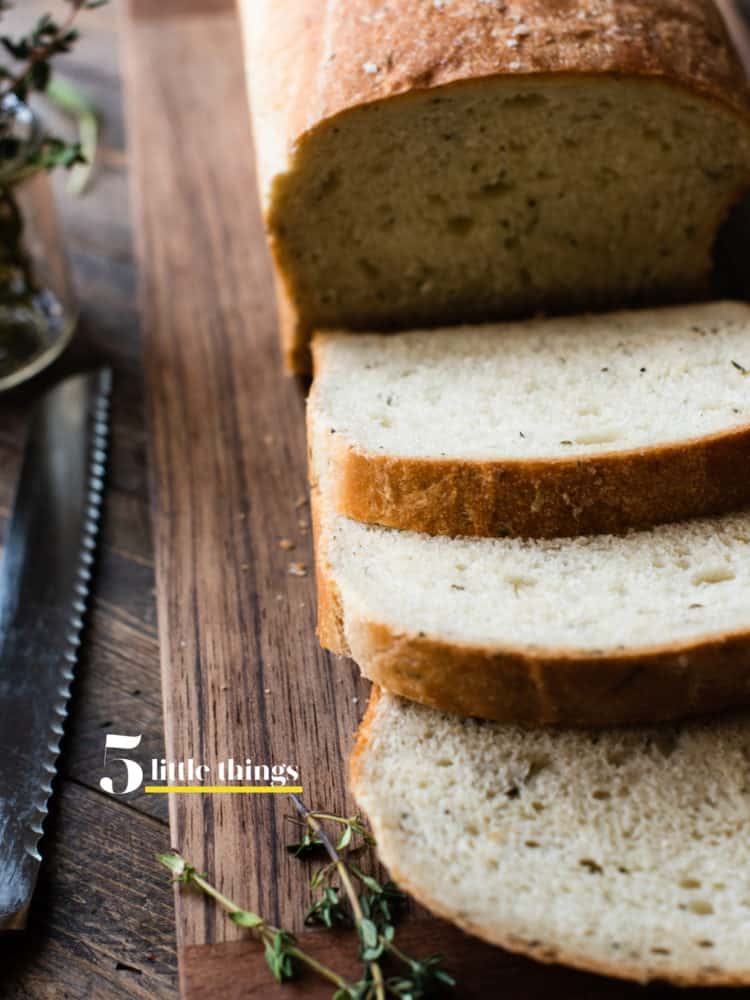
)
(37, 304)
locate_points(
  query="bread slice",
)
(553, 427)
(597, 630)
(626, 852)
(516, 158)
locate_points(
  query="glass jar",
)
(37, 304)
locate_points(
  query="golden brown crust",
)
(500, 936)
(362, 736)
(371, 52)
(317, 59)
(552, 687)
(282, 41)
(538, 687)
(606, 493)
(309, 62)
(330, 612)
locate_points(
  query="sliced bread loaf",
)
(584, 631)
(540, 429)
(625, 852)
(430, 163)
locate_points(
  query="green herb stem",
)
(265, 931)
(344, 821)
(205, 886)
(41, 53)
(395, 951)
(316, 966)
(341, 867)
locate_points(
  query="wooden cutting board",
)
(243, 675)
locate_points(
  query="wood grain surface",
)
(237, 971)
(242, 673)
(102, 918)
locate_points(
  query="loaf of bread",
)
(540, 429)
(625, 852)
(424, 163)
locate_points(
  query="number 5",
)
(134, 771)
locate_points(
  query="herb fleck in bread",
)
(598, 630)
(626, 853)
(572, 426)
(426, 164)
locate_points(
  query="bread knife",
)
(44, 584)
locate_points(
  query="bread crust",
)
(604, 493)
(552, 687)
(535, 687)
(309, 63)
(504, 937)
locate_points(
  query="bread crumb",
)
(300, 502)
(297, 569)
(370, 67)
(286, 544)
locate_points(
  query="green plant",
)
(344, 895)
(29, 69)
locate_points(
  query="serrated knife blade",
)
(44, 584)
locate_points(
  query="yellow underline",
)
(224, 789)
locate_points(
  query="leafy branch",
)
(31, 70)
(373, 910)
(368, 934)
(280, 946)
(34, 50)
(346, 895)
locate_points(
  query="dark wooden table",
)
(102, 923)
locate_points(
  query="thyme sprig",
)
(280, 946)
(366, 929)
(31, 70)
(311, 842)
(373, 909)
(36, 48)
(345, 895)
